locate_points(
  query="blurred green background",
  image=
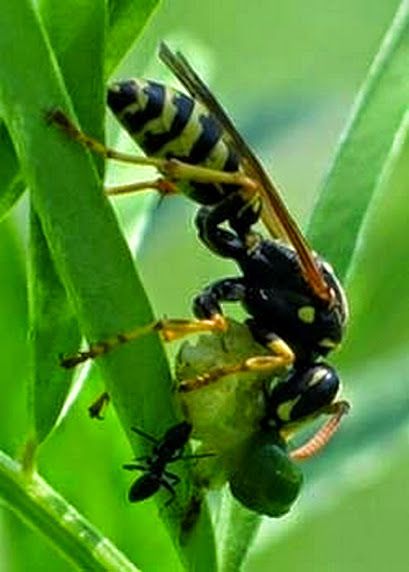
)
(287, 71)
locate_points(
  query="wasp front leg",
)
(208, 304)
(169, 330)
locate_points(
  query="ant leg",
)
(169, 329)
(146, 436)
(194, 456)
(134, 467)
(170, 489)
(171, 476)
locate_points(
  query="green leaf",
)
(126, 21)
(364, 149)
(355, 177)
(87, 247)
(380, 324)
(236, 529)
(13, 336)
(50, 308)
(53, 329)
(76, 31)
(69, 38)
(12, 184)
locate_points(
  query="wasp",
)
(168, 449)
(297, 308)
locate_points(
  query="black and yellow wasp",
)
(296, 306)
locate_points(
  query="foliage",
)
(82, 281)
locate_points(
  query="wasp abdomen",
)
(167, 123)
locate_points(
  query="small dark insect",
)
(166, 450)
(98, 406)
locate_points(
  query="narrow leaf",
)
(88, 249)
(52, 326)
(74, 28)
(12, 184)
(364, 148)
(127, 19)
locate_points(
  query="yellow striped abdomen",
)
(167, 123)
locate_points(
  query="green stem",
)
(44, 509)
(236, 530)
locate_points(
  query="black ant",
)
(165, 450)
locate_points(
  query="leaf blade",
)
(364, 148)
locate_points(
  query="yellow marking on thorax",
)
(306, 314)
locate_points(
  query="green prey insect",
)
(238, 418)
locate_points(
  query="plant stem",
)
(44, 509)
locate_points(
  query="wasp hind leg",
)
(242, 210)
(172, 169)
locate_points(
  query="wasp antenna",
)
(323, 435)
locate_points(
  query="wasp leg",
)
(96, 408)
(282, 357)
(163, 186)
(242, 210)
(170, 330)
(207, 303)
(324, 434)
(219, 240)
(172, 169)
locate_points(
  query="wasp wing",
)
(275, 214)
